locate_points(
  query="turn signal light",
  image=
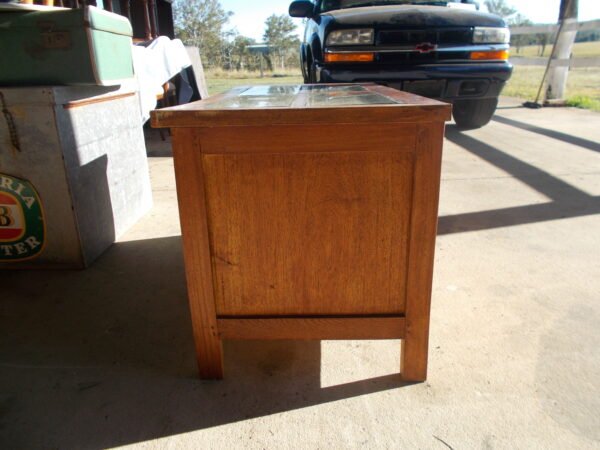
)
(496, 55)
(349, 57)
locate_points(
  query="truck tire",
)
(303, 69)
(475, 113)
(312, 72)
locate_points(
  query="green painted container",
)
(59, 46)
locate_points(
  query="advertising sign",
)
(22, 228)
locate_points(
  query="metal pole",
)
(261, 65)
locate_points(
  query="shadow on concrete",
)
(104, 357)
(568, 201)
(158, 142)
(580, 142)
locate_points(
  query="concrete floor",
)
(104, 357)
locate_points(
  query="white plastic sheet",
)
(154, 65)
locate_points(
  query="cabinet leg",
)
(413, 360)
(196, 252)
(209, 355)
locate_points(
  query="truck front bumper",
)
(442, 81)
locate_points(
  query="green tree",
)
(242, 57)
(279, 35)
(202, 23)
(500, 8)
(519, 40)
(543, 39)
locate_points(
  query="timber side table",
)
(308, 212)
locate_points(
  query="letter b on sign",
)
(5, 217)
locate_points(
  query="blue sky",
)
(250, 15)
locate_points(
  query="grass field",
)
(583, 87)
(220, 80)
(580, 50)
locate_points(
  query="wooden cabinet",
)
(309, 212)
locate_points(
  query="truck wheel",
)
(305, 69)
(471, 114)
(312, 73)
(311, 70)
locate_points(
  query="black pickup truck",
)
(446, 50)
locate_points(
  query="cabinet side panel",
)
(309, 233)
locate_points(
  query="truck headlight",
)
(489, 35)
(363, 36)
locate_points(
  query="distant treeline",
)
(587, 36)
(204, 24)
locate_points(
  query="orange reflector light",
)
(496, 54)
(349, 57)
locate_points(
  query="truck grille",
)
(440, 36)
(421, 58)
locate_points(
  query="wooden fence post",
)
(557, 75)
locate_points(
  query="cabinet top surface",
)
(311, 103)
(299, 96)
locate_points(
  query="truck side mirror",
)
(301, 9)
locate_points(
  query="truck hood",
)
(413, 16)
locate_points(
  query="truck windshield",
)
(329, 5)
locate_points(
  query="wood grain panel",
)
(308, 138)
(423, 227)
(309, 234)
(311, 328)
